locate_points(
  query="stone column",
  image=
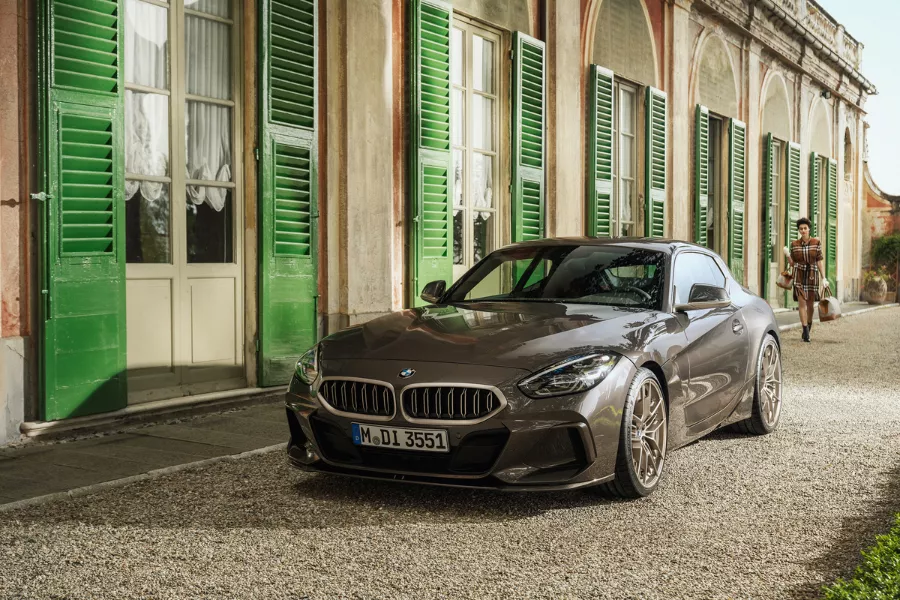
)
(753, 207)
(565, 120)
(680, 118)
(333, 195)
(360, 159)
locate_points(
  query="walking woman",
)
(806, 257)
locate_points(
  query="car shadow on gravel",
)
(266, 493)
(422, 503)
(857, 533)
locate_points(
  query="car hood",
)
(520, 335)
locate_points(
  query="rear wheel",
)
(642, 440)
(767, 390)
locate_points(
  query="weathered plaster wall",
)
(14, 242)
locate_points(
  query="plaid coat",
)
(806, 274)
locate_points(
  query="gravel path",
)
(735, 516)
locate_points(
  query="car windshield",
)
(611, 275)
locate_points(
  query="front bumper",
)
(557, 443)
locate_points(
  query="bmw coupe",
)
(552, 364)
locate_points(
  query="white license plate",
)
(400, 438)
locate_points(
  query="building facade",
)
(340, 154)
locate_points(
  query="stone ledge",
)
(157, 410)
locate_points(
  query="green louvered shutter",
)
(600, 152)
(831, 212)
(701, 174)
(528, 139)
(814, 183)
(792, 181)
(81, 208)
(767, 239)
(737, 182)
(288, 203)
(655, 161)
(431, 180)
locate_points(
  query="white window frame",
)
(470, 29)
(619, 88)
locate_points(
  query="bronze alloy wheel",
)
(767, 399)
(643, 439)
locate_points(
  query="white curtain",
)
(207, 126)
(146, 114)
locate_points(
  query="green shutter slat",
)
(737, 181)
(767, 238)
(528, 138)
(288, 205)
(85, 50)
(600, 152)
(814, 183)
(655, 164)
(792, 205)
(701, 174)
(94, 232)
(430, 173)
(291, 48)
(433, 59)
(831, 225)
(292, 196)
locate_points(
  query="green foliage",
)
(886, 250)
(878, 577)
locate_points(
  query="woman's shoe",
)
(806, 333)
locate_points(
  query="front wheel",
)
(642, 440)
(766, 391)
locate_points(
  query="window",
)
(180, 204)
(625, 209)
(692, 268)
(475, 75)
(613, 276)
(715, 208)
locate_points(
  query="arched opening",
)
(820, 130)
(776, 117)
(716, 87)
(623, 43)
(776, 122)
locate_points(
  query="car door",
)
(716, 343)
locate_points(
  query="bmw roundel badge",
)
(407, 373)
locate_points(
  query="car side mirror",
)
(433, 291)
(705, 296)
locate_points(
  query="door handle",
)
(736, 327)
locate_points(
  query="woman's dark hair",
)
(804, 221)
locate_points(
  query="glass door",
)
(183, 198)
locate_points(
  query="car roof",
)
(659, 244)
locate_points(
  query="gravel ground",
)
(735, 516)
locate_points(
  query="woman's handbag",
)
(785, 280)
(829, 307)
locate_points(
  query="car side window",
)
(691, 268)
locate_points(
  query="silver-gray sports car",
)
(552, 364)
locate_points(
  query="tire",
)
(630, 480)
(767, 390)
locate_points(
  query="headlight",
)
(573, 375)
(308, 366)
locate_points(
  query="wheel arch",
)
(655, 368)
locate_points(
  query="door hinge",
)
(256, 343)
(256, 154)
(42, 196)
(512, 54)
(47, 299)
